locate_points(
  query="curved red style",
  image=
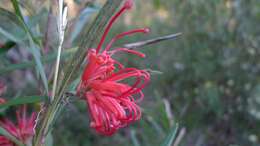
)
(111, 101)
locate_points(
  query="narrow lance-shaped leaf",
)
(81, 22)
(37, 57)
(171, 137)
(134, 138)
(49, 140)
(23, 100)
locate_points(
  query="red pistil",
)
(128, 51)
(127, 5)
(119, 36)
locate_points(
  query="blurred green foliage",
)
(210, 82)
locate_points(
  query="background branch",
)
(152, 41)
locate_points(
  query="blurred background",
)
(207, 80)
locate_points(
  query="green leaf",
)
(171, 137)
(23, 100)
(34, 45)
(8, 45)
(17, 9)
(35, 50)
(10, 137)
(134, 138)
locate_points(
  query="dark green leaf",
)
(23, 100)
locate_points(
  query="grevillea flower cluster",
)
(22, 131)
(111, 101)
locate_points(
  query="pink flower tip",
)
(142, 55)
(128, 4)
(2, 101)
(147, 30)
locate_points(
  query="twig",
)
(62, 22)
(38, 118)
(151, 41)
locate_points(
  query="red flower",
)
(23, 131)
(112, 102)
